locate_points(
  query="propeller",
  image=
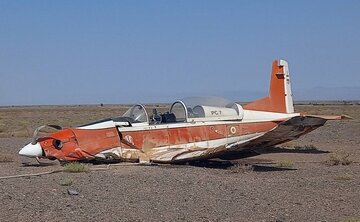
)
(37, 130)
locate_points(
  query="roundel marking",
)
(233, 130)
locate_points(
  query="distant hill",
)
(322, 93)
(312, 94)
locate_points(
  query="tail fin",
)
(280, 97)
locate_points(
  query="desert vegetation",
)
(75, 167)
(285, 163)
(322, 187)
(338, 158)
(67, 182)
(6, 158)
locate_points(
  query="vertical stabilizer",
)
(288, 94)
(280, 97)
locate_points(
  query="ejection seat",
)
(162, 118)
(168, 118)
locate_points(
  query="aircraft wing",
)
(286, 131)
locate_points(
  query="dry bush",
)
(297, 146)
(290, 144)
(338, 158)
(67, 182)
(21, 133)
(2, 127)
(351, 220)
(75, 167)
(5, 159)
(307, 147)
(285, 163)
(241, 168)
(344, 176)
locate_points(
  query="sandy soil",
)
(252, 189)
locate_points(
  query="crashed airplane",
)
(193, 129)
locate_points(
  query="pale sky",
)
(81, 52)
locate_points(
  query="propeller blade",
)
(37, 130)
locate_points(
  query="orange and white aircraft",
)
(193, 129)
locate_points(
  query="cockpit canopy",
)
(137, 113)
(206, 109)
(187, 110)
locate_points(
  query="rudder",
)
(280, 97)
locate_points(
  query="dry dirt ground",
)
(252, 189)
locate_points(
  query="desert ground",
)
(314, 178)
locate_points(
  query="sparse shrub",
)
(299, 146)
(289, 144)
(338, 159)
(307, 147)
(75, 167)
(285, 163)
(2, 127)
(21, 133)
(351, 220)
(241, 168)
(5, 159)
(67, 182)
(344, 176)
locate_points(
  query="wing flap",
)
(289, 130)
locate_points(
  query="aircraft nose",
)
(31, 150)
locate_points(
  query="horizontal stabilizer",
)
(327, 117)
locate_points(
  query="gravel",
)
(216, 191)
